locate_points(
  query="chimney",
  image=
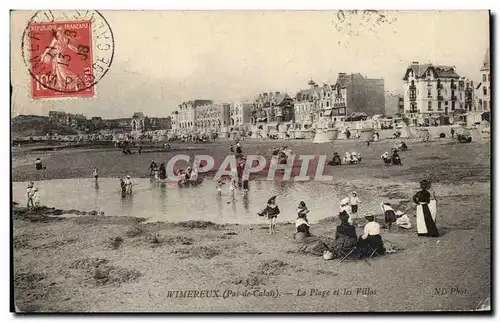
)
(277, 93)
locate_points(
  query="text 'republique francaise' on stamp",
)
(67, 52)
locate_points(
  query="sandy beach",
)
(89, 262)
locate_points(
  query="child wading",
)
(29, 194)
(36, 198)
(272, 211)
(96, 174)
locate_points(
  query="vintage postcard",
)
(251, 161)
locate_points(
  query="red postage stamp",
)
(61, 59)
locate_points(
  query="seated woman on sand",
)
(345, 236)
(371, 239)
(336, 160)
(386, 157)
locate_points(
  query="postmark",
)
(67, 52)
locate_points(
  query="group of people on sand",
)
(392, 158)
(347, 242)
(32, 193)
(349, 158)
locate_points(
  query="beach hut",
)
(405, 132)
(321, 136)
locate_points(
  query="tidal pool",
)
(160, 202)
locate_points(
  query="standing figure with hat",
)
(371, 238)
(272, 211)
(128, 185)
(426, 213)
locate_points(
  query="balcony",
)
(413, 111)
(440, 97)
(413, 97)
(339, 105)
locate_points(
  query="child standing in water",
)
(29, 194)
(96, 174)
(272, 212)
(36, 198)
(123, 187)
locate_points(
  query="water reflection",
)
(159, 202)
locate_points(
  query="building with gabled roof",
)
(430, 93)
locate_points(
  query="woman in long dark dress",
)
(345, 236)
(426, 220)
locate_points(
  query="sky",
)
(165, 57)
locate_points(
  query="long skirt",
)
(426, 219)
(390, 216)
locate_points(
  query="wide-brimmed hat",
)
(344, 216)
(354, 193)
(369, 216)
(273, 198)
(128, 176)
(425, 184)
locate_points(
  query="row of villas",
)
(208, 116)
(433, 95)
(351, 94)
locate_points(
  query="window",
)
(485, 107)
(439, 106)
(439, 92)
(320, 114)
(446, 103)
(453, 105)
(429, 106)
(489, 78)
(445, 91)
(429, 93)
(461, 96)
(485, 91)
(484, 77)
